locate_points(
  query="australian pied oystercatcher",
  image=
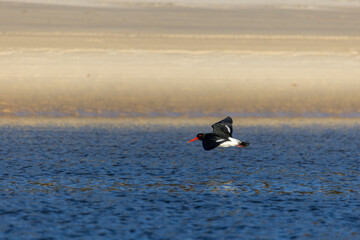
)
(220, 137)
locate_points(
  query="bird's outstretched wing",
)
(211, 141)
(223, 128)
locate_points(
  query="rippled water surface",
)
(111, 180)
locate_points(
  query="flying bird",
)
(220, 137)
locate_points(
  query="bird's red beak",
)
(192, 139)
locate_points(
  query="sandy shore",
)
(162, 59)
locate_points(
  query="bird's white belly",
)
(232, 142)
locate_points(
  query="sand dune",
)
(159, 59)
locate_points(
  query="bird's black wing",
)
(223, 128)
(212, 141)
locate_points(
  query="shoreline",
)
(23, 41)
(178, 121)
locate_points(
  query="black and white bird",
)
(220, 137)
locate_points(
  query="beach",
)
(170, 59)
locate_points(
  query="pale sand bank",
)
(178, 83)
(161, 59)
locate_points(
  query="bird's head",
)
(199, 136)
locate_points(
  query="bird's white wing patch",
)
(230, 143)
(220, 140)
(227, 127)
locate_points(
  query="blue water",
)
(111, 181)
